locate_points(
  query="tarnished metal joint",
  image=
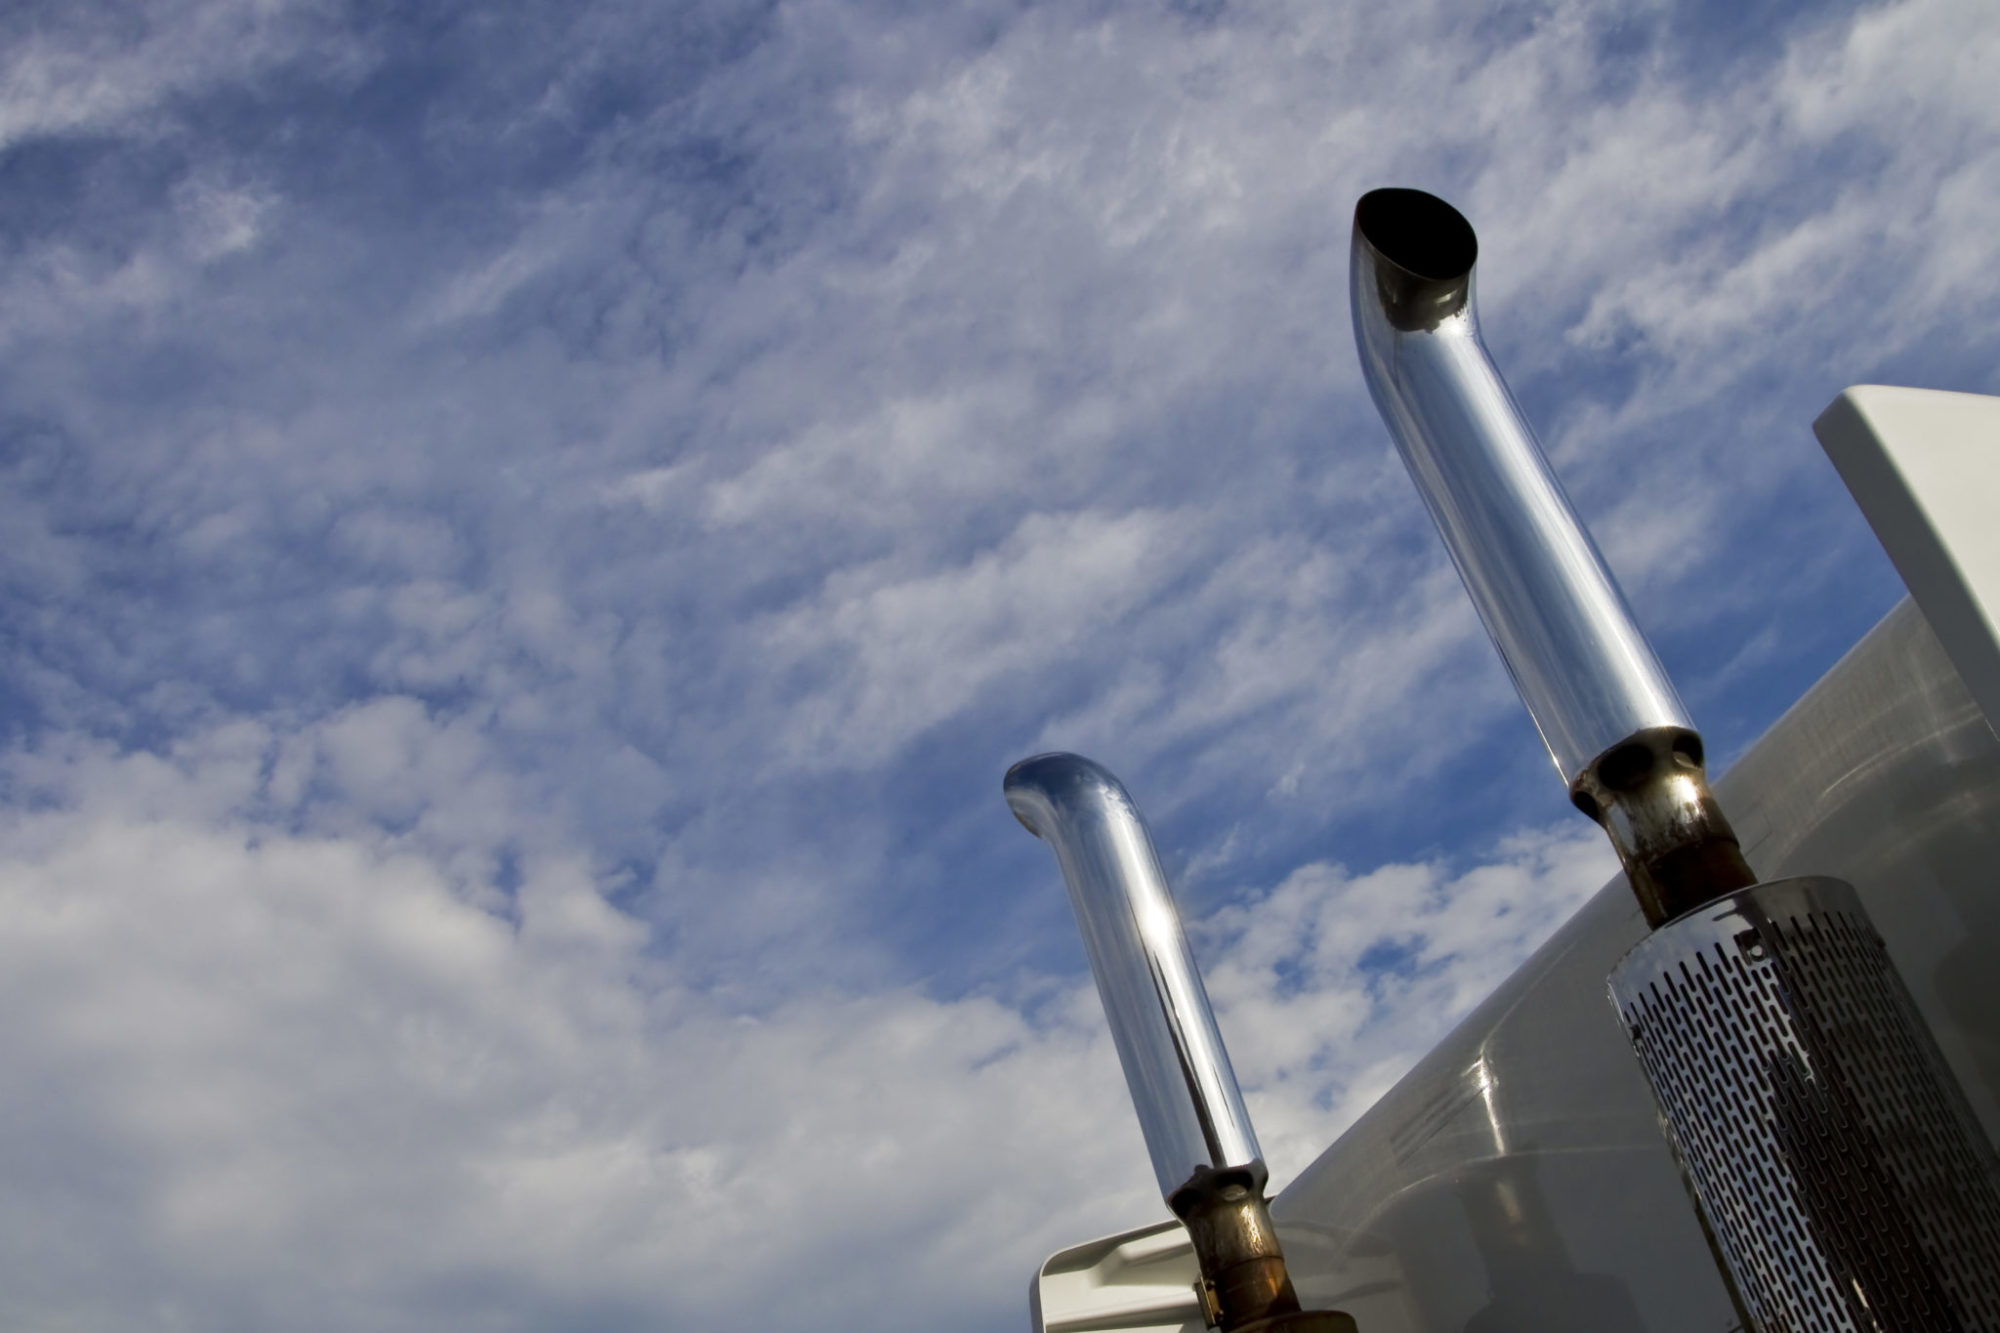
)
(1236, 1245)
(1650, 793)
(1244, 1287)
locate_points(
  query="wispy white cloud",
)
(300, 1080)
(96, 69)
(913, 651)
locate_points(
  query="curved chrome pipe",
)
(1204, 1152)
(1189, 1105)
(1611, 719)
(1582, 666)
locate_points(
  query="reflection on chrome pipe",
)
(1204, 1151)
(1182, 1086)
(1583, 668)
(1607, 712)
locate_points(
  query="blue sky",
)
(532, 535)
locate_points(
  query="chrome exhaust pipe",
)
(1204, 1151)
(1611, 719)
(1826, 1143)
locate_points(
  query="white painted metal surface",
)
(1138, 1282)
(1924, 466)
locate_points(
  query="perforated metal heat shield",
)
(1846, 1182)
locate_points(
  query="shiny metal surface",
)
(1244, 1286)
(1189, 1105)
(1847, 1183)
(1652, 798)
(1562, 627)
(1516, 1177)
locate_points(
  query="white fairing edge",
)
(1924, 467)
(1137, 1282)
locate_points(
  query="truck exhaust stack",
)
(1832, 1155)
(1205, 1154)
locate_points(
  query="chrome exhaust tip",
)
(1622, 741)
(1204, 1152)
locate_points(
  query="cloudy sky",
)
(531, 533)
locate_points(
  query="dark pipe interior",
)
(1417, 232)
